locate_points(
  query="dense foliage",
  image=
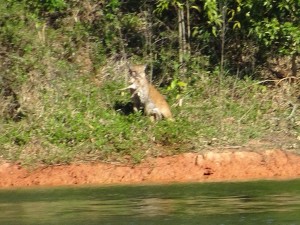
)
(234, 65)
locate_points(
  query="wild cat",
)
(145, 95)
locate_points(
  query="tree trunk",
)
(180, 33)
(188, 22)
(223, 31)
(182, 40)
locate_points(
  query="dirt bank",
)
(188, 167)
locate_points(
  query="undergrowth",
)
(60, 97)
(81, 122)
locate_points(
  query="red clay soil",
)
(188, 167)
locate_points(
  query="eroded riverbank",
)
(228, 165)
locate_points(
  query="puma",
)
(145, 96)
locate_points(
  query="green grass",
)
(74, 110)
(80, 122)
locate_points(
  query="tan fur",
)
(145, 95)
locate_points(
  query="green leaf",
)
(214, 31)
(196, 7)
(237, 24)
(181, 84)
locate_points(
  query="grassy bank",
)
(60, 100)
(77, 119)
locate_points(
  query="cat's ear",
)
(132, 71)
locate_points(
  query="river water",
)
(260, 202)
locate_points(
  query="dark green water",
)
(264, 202)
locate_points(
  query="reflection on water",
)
(210, 203)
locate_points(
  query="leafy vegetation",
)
(229, 70)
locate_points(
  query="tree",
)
(276, 26)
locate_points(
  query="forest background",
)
(229, 69)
